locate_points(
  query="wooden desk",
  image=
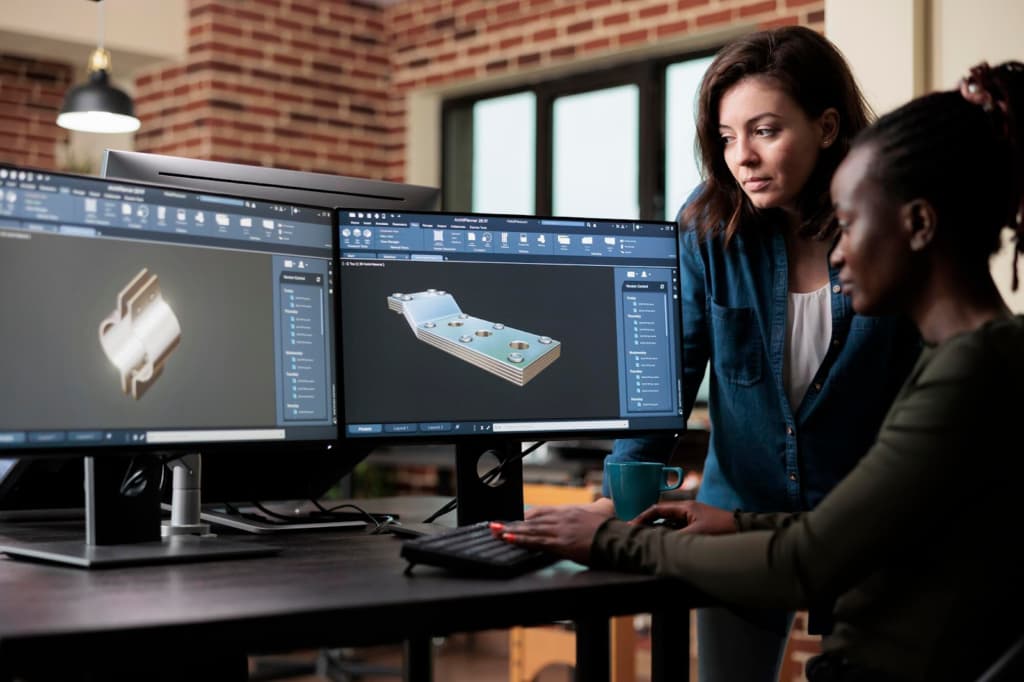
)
(323, 590)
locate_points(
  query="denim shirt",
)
(764, 453)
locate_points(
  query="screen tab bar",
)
(34, 201)
(373, 235)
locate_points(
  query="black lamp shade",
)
(99, 107)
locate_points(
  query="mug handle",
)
(679, 478)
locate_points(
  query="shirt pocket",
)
(736, 345)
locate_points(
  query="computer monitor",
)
(262, 478)
(146, 323)
(489, 330)
(271, 184)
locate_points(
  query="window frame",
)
(648, 75)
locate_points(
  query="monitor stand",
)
(245, 518)
(189, 516)
(500, 499)
(122, 523)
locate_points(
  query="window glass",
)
(504, 153)
(595, 145)
(682, 167)
(682, 164)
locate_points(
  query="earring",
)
(826, 143)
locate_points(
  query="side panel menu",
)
(305, 383)
(649, 379)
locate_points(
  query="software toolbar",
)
(426, 236)
(34, 201)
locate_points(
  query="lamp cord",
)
(99, 24)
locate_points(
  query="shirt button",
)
(792, 477)
(789, 430)
(836, 289)
(835, 342)
(817, 387)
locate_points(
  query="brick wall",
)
(322, 84)
(443, 43)
(289, 83)
(31, 92)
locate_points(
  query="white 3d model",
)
(512, 354)
(140, 334)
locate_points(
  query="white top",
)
(808, 329)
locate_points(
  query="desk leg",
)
(593, 652)
(419, 660)
(670, 645)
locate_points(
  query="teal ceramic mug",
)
(635, 486)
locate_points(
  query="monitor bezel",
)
(238, 447)
(268, 183)
(470, 438)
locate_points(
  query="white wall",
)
(902, 48)
(885, 43)
(137, 32)
(965, 32)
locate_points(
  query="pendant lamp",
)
(97, 106)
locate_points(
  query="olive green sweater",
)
(919, 547)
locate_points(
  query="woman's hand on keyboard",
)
(565, 531)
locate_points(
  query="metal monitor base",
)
(176, 549)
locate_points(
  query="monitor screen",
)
(272, 184)
(155, 323)
(458, 325)
(489, 330)
(147, 317)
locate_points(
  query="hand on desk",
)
(690, 517)
(566, 531)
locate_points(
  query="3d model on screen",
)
(140, 334)
(512, 354)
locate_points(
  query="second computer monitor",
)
(460, 327)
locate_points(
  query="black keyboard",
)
(474, 550)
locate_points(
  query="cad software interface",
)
(473, 324)
(136, 314)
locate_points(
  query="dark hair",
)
(812, 71)
(963, 157)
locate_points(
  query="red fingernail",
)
(511, 537)
(496, 525)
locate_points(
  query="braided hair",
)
(961, 151)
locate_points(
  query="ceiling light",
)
(97, 106)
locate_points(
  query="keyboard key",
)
(474, 550)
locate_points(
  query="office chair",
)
(1009, 667)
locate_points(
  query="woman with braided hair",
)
(798, 383)
(921, 563)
